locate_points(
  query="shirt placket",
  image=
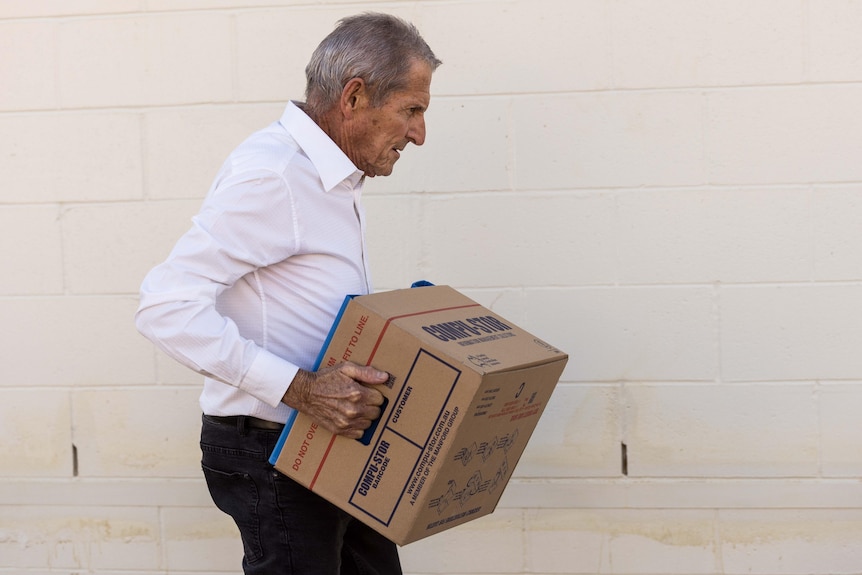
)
(357, 209)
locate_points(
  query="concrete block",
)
(661, 541)
(150, 432)
(620, 541)
(683, 493)
(835, 213)
(90, 76)
(29, 79)
(394, 243)
(562, 493)
(468, 147)
(274, 46)
(151, 60)
(48, 572)
(92, 341)
(182, 5)
(467, 548)
(784, 135)
(35, 445)
(752, 43)
(32, 261)
(98, 157)
(661, 43)
(161, 492)
(577, 436)
(616, 333)
(536, 46)
(488, 297)
(790, 541)
(52, 8)
(109, 248)
(200, 539)
(705, 236)
(741, 430)
(496, 240)
(834, 50)
(704, 43)
(790, 332)
(840, 428)
(185, 147)
(619, 139)
(80, 537)
(564, 541)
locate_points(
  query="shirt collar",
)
(331, 162)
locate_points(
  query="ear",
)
(353, 97)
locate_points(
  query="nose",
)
(416, 130)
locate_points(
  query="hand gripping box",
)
(467, 388)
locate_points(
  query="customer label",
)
(410, 441)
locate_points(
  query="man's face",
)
(376, 136)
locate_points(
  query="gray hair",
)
(379, 48)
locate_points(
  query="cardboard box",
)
(467, 388)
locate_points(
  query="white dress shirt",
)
(248, 294)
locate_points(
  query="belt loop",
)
(242, 425)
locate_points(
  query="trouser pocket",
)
(236, 494)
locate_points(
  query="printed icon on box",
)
(487, 448)
(545, 345)
(475, 485)
(442, 502)
(465, 454)
(499, 477)
(482, 360)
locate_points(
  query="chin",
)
(380, 172)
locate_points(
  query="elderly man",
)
(248, 294)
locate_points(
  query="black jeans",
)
(286, 529)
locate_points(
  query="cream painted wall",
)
(669, 190)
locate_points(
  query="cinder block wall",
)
(669, 190)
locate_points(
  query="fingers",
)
(361, 412)
(343, 398)
(352, 427)
(364, 373)
(353, 423)
(373, 397)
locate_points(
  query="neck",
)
(332, 124)
(326, 121)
